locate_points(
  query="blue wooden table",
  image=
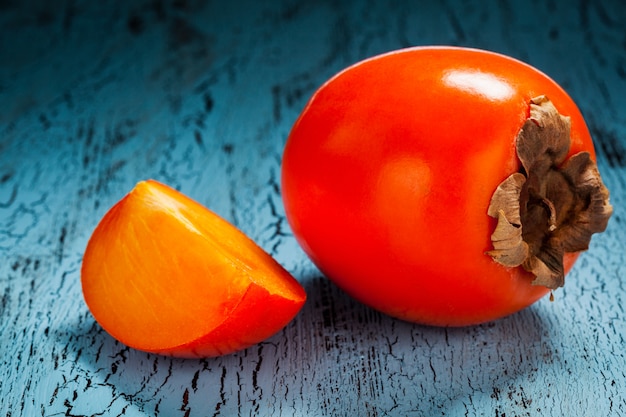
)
(96, 96)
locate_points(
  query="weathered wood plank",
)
(201, 95)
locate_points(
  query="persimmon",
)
(441, 185)
(164, 274)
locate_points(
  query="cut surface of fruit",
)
(162, 273)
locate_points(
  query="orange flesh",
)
(161, 272)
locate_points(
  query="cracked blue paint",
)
(96, 96)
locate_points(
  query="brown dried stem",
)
(554, 206)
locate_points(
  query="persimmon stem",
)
(552, 213)
(557, 202)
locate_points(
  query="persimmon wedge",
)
(164, 274)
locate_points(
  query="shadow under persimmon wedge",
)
(164, 274)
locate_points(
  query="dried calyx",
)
(554, 206)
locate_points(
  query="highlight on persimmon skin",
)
(163, 274)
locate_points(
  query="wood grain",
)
(201, 95)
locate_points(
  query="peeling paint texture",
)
(201, 95)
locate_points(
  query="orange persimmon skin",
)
(389, 170)
(163, 274)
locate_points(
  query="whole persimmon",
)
(163, 274)
(442, 185)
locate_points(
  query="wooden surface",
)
(201, 95)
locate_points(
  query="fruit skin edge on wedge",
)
(163, 274)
